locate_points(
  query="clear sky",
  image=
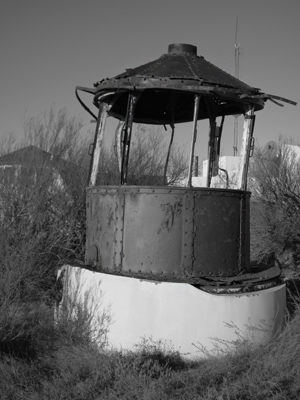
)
(49, 47)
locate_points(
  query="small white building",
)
(228, 171)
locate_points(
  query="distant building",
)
(228, 170)
(30, 174)
(293, 152)
(229, 166)
(31, 162)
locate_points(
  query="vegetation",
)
(42, 207)
(42, 226)
(146, 162)
(62, 362)
(275, 206)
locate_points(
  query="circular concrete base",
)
(180, 316)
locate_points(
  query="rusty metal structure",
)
(197, 235)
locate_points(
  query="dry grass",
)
(69, 365)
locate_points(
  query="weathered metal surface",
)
(171, 233)
(261, 275)
(98, 144)
(194, 139)
(153, 231)
(245, 149)
(178, 234)
(188, 235)
(104, 235)
(244, 255)
(166, 88)
(217, 222)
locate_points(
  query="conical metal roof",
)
(166, 88)
(182, 63)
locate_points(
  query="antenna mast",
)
(237, 75)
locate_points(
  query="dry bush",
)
(47, 360)
(275, 207)
(146, 161)
(42, 202)
(42, 215)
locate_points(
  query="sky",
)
(50, 47)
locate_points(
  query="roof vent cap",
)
(182, 48)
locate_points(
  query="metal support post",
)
(194, 138)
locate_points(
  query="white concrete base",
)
(178, 314)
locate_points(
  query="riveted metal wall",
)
(153, 223)
(167, 233)
(217, 222)
(104, 235)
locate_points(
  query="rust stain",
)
(110, 216)
(171, 211)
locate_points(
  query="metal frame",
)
(99, 135)
(194, 138)
(246, 147)
(127, 131)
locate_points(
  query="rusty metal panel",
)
(188, 235)
(103, 244)
(118, 232)
(179, 74)
(91, 250)
(153, 231)
(245, 233)
(217, 238)
(168, 233)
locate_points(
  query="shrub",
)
(275, 206)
